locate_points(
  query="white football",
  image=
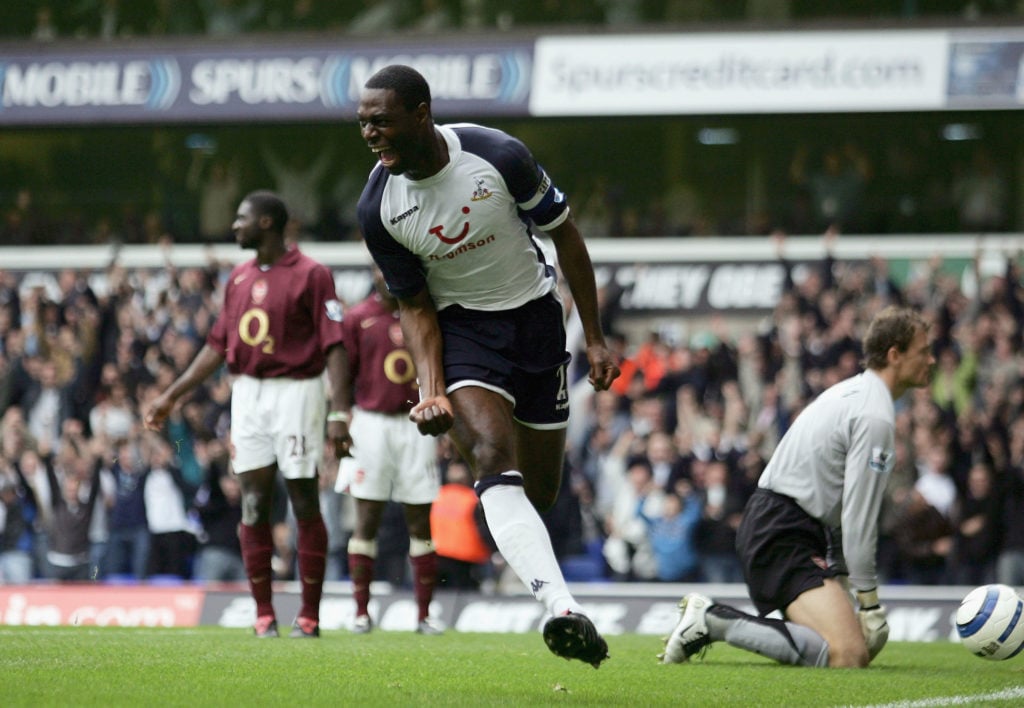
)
(990, 622)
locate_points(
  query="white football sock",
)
(523, 540)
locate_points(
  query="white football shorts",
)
(390, 460)
(278, 420)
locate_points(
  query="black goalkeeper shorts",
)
(782, 549)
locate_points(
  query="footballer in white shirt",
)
(448, 214)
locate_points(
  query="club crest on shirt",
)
(395, 334)
(881, 460)
(481, 191)
(259, 291)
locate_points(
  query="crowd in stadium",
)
(164, 186)
(118, 19)
(873, 174)
(657, 469)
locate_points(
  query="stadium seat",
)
(582, 569)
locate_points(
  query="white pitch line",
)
(1007, 694)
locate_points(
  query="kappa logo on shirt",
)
(881, 460)
(405, 214)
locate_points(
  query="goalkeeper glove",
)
(872, 621)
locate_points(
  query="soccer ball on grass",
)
(990, 622)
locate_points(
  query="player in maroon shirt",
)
(390, 459)
(279, 329)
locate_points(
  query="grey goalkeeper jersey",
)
(835, 462)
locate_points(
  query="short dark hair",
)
(266, 203)
(639, 461)
(407, 83)
(892, 327)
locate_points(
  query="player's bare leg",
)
(827, 610)
(542, 454)
(488, 439)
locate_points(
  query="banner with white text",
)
(318, 81)
(195, 80)
(676, 74)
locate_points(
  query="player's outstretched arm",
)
(206, 362)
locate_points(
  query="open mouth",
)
(386, 155)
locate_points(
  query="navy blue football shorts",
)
(783, 551)
(519, 354)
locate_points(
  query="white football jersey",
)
(464, 233)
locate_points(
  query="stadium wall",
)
(915, 613)
(672, 285)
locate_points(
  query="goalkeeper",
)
(817, 502)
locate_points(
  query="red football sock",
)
(360, 568)
(257, 550)
(311, 544)
(424, 580)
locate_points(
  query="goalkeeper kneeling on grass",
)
(817, 504)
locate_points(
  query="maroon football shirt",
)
(382, 368)
(278, 321)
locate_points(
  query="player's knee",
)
(542, 498)
(255, 507)
(847, 654)
(305, 498)
(491, 458)
(305, 508)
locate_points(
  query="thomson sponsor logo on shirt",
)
(466, 246)
(404, 215)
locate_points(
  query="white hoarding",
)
(804, 72)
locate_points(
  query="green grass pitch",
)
(210, 666)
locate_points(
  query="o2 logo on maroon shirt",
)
(254, 330)
(451, 240)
